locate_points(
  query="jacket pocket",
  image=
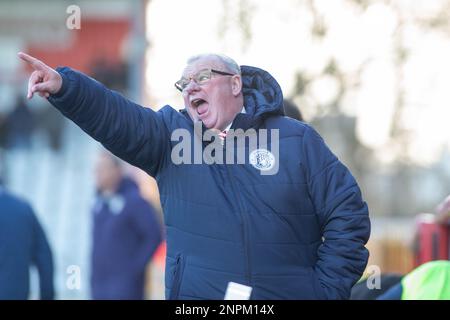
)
(177, 277)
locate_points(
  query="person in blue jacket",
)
(126, 234)
(22, 244)
(289, 222)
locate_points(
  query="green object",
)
(430, 281)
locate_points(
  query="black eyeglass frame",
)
(223, 73)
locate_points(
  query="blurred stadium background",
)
(371, 75)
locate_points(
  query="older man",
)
(296, 234)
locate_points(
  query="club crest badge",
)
(262, 159)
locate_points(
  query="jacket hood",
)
(262, 93)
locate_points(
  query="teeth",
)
(197, 102)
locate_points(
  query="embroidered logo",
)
(262, 159)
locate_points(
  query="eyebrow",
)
(203, 69)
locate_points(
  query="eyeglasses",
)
(200, 78)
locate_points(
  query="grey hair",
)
(229, 63)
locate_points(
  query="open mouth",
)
(200, 106)
(197, 102)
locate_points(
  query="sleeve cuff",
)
(64, 86)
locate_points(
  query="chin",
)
(208, 123)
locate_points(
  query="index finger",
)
(35, 63)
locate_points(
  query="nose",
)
(192, 87)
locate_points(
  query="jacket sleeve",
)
(43, 260)
(136, 134)
(343, 217)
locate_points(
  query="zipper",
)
(244, 223)
(179, 266)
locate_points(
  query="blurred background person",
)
(51, 123)
(430, 281)
(291, 110)
(22, 244)
(126, 234)
(20, 125)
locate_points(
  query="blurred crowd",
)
(430, 279)
(126, 234)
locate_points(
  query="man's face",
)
(214, 102)
(107, 173)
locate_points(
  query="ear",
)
(236, 85)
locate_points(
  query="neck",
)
(241, 110)
(110, 190)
